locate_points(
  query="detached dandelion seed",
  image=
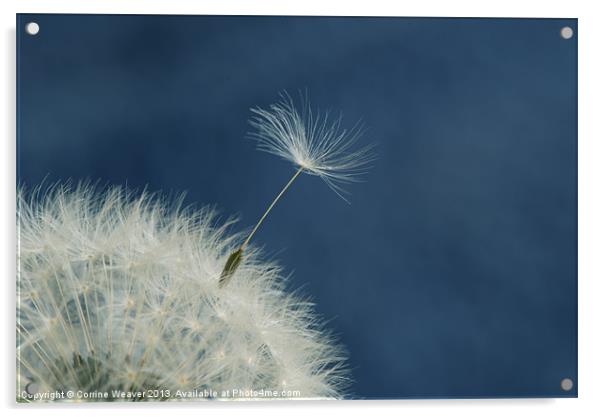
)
(315, 143)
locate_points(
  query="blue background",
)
(453, 273)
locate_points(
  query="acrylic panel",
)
(431, 220)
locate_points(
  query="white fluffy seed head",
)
(313, 141)
(117, 291)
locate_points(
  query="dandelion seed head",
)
(313, 141)
(120, 291)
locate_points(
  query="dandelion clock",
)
(223, 208)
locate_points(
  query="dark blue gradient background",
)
(453, 273)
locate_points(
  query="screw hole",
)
(32, 28)
(566, 384)
(31, 388)
(566, 32)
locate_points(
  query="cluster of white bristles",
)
(120, 291)
(316, 142)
